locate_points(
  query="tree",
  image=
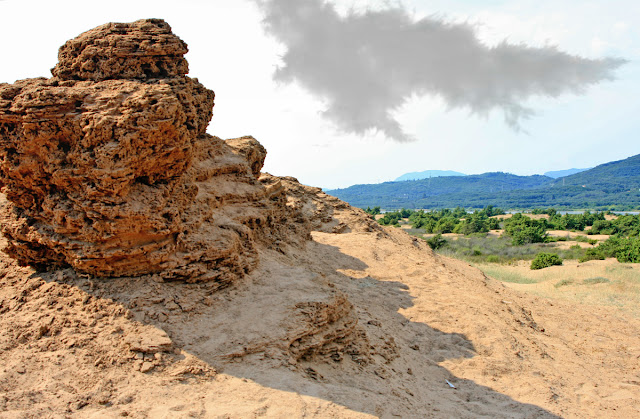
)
(436, 242)
(524, 230)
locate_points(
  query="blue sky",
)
(231, 53)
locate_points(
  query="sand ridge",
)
(421, 320)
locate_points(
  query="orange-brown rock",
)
(138, 50)
(107, 166)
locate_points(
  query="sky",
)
(345, 92)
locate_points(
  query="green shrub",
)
(524, 230)
(372, 211)
(585, 239)
(436, 242)
(626, 250)
(390, 218)
(544, 260)
(629, 251)
(592, 254)
(493, 259)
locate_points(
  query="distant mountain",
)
(561, 173)
(615, 176)
(425, 193)
(614, 185)
(428, 174)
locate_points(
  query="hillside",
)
(437, 191)
(427, 174)
(613, 185)
(615, 176)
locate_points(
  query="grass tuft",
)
(596, 280)
(563, 283)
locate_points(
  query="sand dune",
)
(420, 320)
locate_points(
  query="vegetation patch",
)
(596, 280)
(544, 260)
(592, 254)
(436, 242)
(563, 283)
(507, 276)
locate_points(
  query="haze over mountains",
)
(561, 173)
(613, 185)
(426, 174)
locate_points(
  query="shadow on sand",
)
(388, 368)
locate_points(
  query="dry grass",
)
(573, 234)
(596, 282)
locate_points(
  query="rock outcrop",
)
(107, 166)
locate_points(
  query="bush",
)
(493, 259)
(524, 230)
(585, 239)
(527, 235)
(390, 218)
(436, 242)
(592, 254)
(626, 250)
(372, 211)
(544, 260)
(629, 252)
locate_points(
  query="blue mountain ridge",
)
(613, 185)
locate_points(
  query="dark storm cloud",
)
(367, 65)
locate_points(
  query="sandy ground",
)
(398, 328)
(574, 234)
(595, 282)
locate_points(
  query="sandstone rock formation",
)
(107, 166)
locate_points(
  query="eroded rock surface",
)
(139, 50)
(107, 166)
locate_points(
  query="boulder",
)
(107, 166)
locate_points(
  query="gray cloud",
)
(365, 65)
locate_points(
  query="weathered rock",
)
(322, 212)
(149, 340)
(251, 149)
(327, 330)
(107, 166)
(139, 50)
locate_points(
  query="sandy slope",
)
(353, 325)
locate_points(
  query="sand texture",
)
(351, 325)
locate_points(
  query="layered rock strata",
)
(107, 166)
